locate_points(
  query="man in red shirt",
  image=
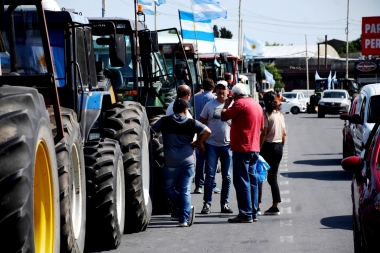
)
(247, 122)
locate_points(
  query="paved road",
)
(315, 212)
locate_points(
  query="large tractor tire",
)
(29, 187)
(72, 183)
(105, 190)
(160, 201)
(127, 123)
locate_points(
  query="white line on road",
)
(286, 239)
(283, 169)
(285, 200)
(286, 223)
(284, 182)
(285, 210)
(284, 192)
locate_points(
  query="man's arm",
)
(202, 120)
(223, 116)
(201, 139)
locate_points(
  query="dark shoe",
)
(226, 209)
(174, 216)
(206, 209)
(191, 216)
(198, 190)
(216, 190)
(237, 219)
(272, 211)
(258, 211)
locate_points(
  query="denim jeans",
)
(245, 182)
(200, 169)
(212, 155)
(272, 153)
(177, 182)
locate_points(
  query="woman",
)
(272, 140)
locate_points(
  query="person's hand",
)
(194, 144)
(228, 102)
(201, 148)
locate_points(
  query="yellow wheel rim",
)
(43, 201)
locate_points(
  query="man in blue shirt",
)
(177, 133)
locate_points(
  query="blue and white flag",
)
(159, 2)
(252, 47)
(195, 30)
(329, 81)
(317, 77)
(269, 77)
(148, 8)
(208, 9)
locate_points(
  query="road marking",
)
(283, 169)
(285, 210)
(284, 182)
(285, 200)
(286, 223)
(283, 165)
(284, 161)
(286, 239)
(284, 192)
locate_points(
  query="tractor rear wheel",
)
(29, 188)
(127, 123)
(106, 200)
(72, 182)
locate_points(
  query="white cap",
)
(239, 89)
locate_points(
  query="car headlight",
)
(344, 103)
(321, 103)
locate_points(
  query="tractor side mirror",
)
(117, 50)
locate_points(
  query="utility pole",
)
(155, 16)
(348, 5)
(103, 8)
(325, 51)
(307, 68)
(239, 32)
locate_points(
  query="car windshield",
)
(374, 109)
(334, 95)
(290, 95)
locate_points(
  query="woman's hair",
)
(270, 102)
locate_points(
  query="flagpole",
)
(307, 68)
(239, 31)
(195, 33)
(155, 16)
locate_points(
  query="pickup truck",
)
(297, 96)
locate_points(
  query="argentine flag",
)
(159, 2)
(195, 30)
(147, 6)
(252, 47)
(269, 77)
(208, 9)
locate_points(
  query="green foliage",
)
(353, 46)
(174, 32)
(273, 44)
(216, 32)
(224, 33)
(260, 74)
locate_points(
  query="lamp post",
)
(348, 5)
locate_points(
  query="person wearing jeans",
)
(272, 140)
(247, 122)
(177, 133)
(217, 147)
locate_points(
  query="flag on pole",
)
(329, 81)
(159, 2)
(317, 77)
(208, 9)
(148, 8)
(195, 30)
(269, 77)
(252, 47)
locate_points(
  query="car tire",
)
(356, 235)
(346, 150)
(295, 110)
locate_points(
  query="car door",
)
(359, 129)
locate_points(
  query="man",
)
(177, 133)
(184, 92)
(199, 102)
(247, 122)
(217, 146)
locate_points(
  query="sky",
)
(287, 22)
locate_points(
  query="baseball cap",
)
(180, 105)
(222, 82)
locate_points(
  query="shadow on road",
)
(324, 154)
(160, 221)
(337, 222)
(320, 162)
(334, 175)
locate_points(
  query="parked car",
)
(294, 107)
(348, 130)
(365, 194)
(366, 114)
(297, 96)
(333, 102)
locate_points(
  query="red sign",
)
(370, 35)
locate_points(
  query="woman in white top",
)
(272, 140)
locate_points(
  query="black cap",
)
(180, 105)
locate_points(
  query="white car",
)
(297, 96)
(334, 102)
(294, 107)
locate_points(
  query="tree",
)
(216, 32)
(224, 33)
(353, 46)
